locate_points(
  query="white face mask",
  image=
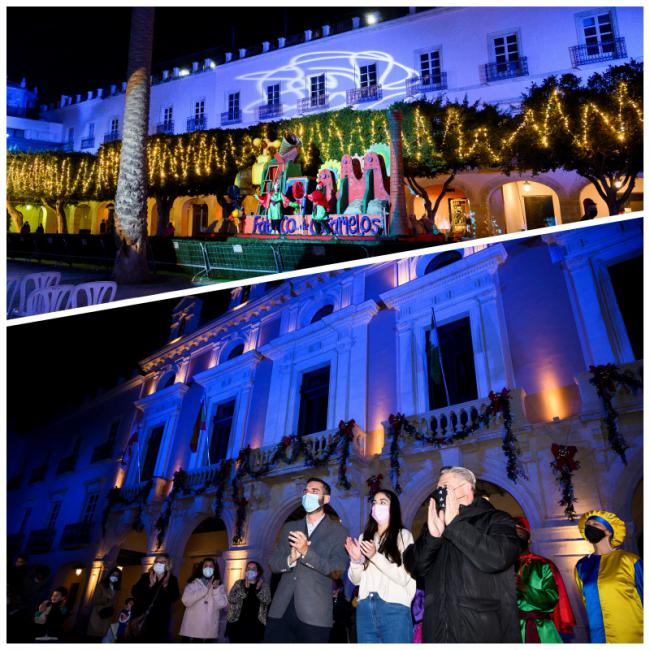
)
(113, 578)
(381, 513)
(208, 571)
(311, 502)
(159, 568)
(251, 576)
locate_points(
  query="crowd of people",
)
(468, 577)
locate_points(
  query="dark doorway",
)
(153, 447)
(627, 280)
(314, 393)
(221, 428)
(538, 210)
(199, 219)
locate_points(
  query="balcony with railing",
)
(197, 123)
(103, 451)
(444, 422)
(165, 127)
(76, 535)
(497, 71)
(40, 541)
(426, 84)
(38, 474)
(313, 103)
(111, 136)
(269, 111)
(231, 117)
(363, 94)
(88, 143)
(606, 50)
(67, 464)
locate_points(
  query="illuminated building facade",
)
(298, 357)
(487, 54)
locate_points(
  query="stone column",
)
(399, 224)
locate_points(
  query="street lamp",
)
(526, 186)
(371, 19)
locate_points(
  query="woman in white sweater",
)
(204, 598)
(386, 588)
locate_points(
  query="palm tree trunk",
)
(16, 217)
(399, 223)
(131, 196)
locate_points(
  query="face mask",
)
(251, 576)
(311, 502)
(113, 578)
(381, 513)
(208, 571)
(159, 568)
(593, 534)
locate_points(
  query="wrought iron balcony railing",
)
(363, 94)
(111, 136)
(67, 464)
(231, 117)
(88, 143)
(165, 127)
(426, 84)
(197, 123)
(313, 103)
(76, 535)
(606, 50)
(40, 541)
(38, 474)
(103, 451)
(269, 111)
(504, 70)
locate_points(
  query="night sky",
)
(69, 50)
(53, 365)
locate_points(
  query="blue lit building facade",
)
(298, 357)
(487, 54)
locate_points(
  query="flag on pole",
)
(434, 357)
(199, 426)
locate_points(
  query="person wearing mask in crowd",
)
(343, 610)
(117, 631)
(309, 554)
(204, 597)
(610, 581)
(51, 614)
(386, 588)
(465, 557)
(155, 593)
(248, 605)
(103, 605)
(544, 607)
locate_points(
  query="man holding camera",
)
(465, 557)
(309, 555)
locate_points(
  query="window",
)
(233, 106)
(221, 429)
(237, 351)
(455, 376)
(627, 281)
(115, 123)
(314, 393)
(90, 506)
(91, 130)
(153, 447)
(54, 514)
(317, 89)
(322, 312)
(199, 109)
(168, 115)
(430, 68)
(441, 260)
(598, 33)
(273, 95)
(506, 50)
(245, 294)
(71, 134)
(368, 75)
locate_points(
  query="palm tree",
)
(131, 195)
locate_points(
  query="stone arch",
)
(310, 309)
(82, 219)
(105, 210)
(230, 347)
(505, 199)
(587, 190)
(166, 376)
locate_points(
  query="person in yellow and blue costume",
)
(610, 581)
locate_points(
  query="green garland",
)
(115, 497)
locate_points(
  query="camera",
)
(440, 497)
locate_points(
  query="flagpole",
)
(439, 347)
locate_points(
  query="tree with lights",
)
(131, 195)
(594, 128)
(451, 138)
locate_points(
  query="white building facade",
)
(486, 54)
(299, 357)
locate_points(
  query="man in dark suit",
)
(310, 553)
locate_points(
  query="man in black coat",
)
(465, 557)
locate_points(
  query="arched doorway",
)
(105, 216)
(208, 539)
(82, 220)
(501, 499)
(129, 560)
(524, 205)
(633, 204)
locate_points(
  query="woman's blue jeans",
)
(382, 622)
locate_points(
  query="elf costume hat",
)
(612, 523)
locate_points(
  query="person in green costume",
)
(274, 202)
(541, 597)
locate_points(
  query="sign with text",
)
(344, 225)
